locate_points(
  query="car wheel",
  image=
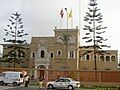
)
(50, 86)
(6, 84)
(1, 83)
(14, 84)
(70, 87)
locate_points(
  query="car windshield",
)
(64, 79)
(59, 80)
(72, 79)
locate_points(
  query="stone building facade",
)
(63, 52)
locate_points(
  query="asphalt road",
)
(25, 88)
(29, 88)
(33, 88)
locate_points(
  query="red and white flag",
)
(61, 13)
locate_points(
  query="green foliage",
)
(15, 44)
(66, 38)
(94, 29)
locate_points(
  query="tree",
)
(13, 37)
(64, 40)
(94, 29)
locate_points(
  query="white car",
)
(67, 83)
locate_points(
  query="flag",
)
(70, 14)
(61, 13)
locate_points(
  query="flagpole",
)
(79, 13)
(71, 18)
(66, 16)
(78, 61)
(72, 22)
(60, 22)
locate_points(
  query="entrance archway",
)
(41, 72)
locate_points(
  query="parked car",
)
(63, 83)
(11, 77)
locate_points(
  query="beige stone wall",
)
(101, 65)
(61, 62)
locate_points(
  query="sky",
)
(41, 16)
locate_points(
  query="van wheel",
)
(1, 83)
(14, 84)
(18, 84)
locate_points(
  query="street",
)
(18, 88)
(28, 88)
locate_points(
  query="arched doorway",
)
(41, 71)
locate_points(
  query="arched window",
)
(58, 52)
(51, 55)
(102, 58)
(113, 58)
(41, 67)
(71, 39)
(87, 57)
(23, 54)
(33, 55)
(59, 39)
(107, 58)
(42, 54)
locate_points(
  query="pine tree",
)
(94, 29)
(14, 34)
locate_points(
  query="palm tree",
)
(65, 39)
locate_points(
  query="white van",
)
(11, 77)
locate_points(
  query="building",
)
(63, 52)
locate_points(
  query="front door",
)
(41, 74)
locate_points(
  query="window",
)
(82, 58)
(66, 80)
(71, 54)
(51, 55)
(71, 39)
(42, 54)
(41, 67)
(87, 57)
(2, 74)
(58, 52)
(23, 54)
(33, 55)
(101, 58)
(59, 39)
(113, 58)
(107, 58)
(60, 80)
(21, 76)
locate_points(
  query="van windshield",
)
(21, 76)
(2, 74)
